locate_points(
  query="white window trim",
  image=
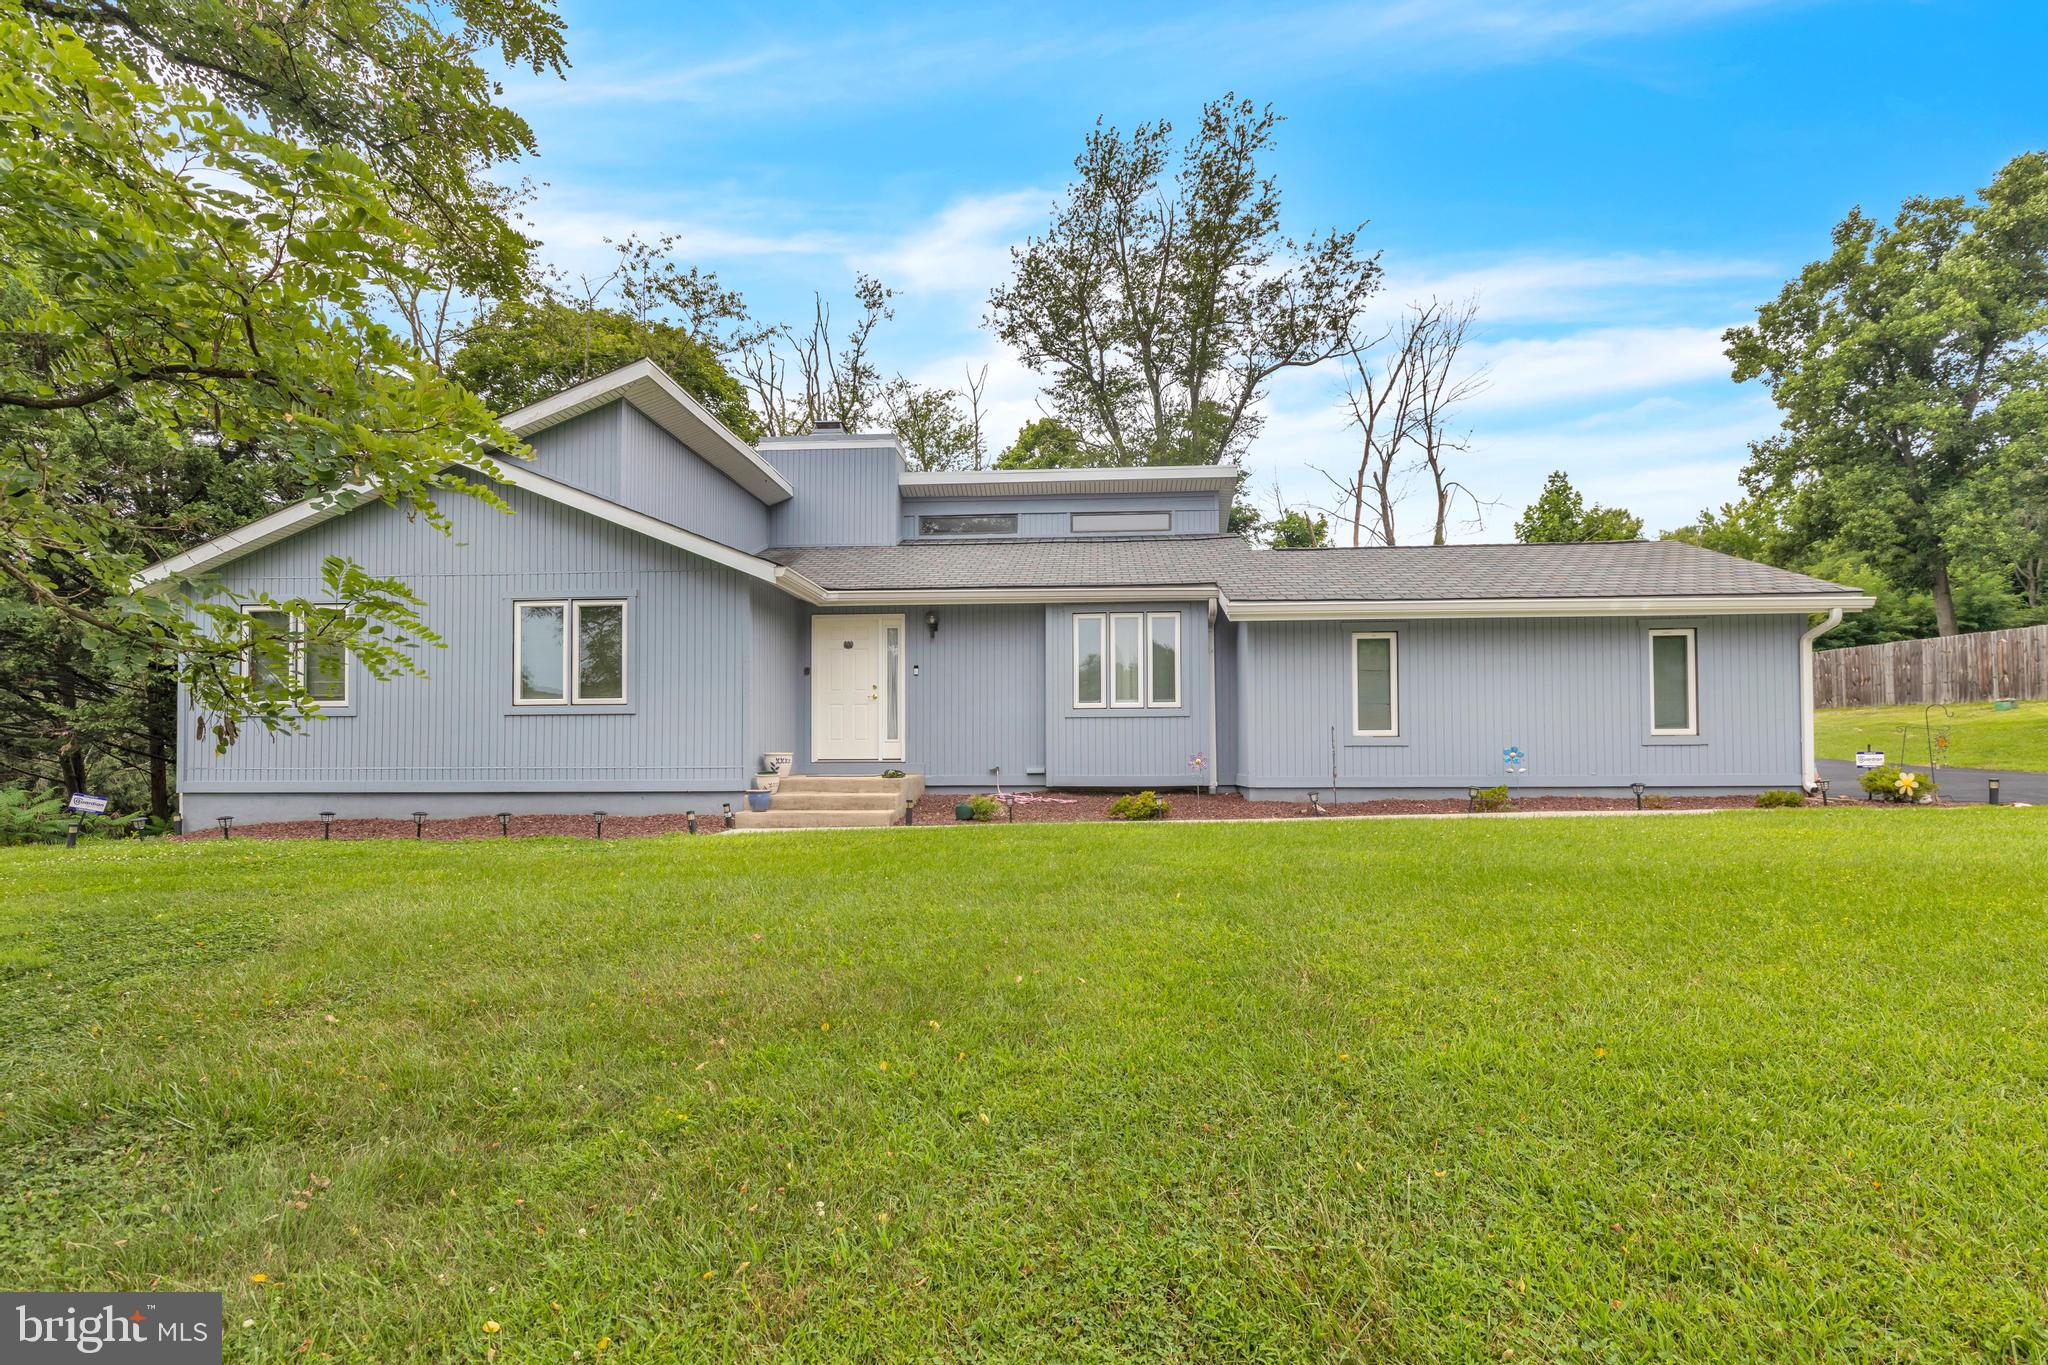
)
(575, 647)
(295, 653)
(1692, 679)
(1094, 523)
(1136, 703)
(1102, 621)
(519, 610)
(1393, 640)
(1150, 699)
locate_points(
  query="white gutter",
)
(1806, 764)
(1732, 604)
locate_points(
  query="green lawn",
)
(1978, 736)
(1723, 1086)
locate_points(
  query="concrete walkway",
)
(1957, 784)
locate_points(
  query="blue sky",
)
(1614, 182)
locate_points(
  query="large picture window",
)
(569, 652)
(1127, 660)
(1674, 683)
(312, 653)
(1375, 684)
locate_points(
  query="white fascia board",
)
(652, 527)
(648, 387)
(797, 584)
(1736, 604)
(286, 521)
(1164, 478)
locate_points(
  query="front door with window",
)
(856, 688)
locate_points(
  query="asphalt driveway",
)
(1957, 784)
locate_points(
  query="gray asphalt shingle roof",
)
(1652, 568)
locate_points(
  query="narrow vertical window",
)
(1674, 683)
(323, 659)
(600, 652)
(1088, 642)
(1163, 634)
(541, 652)
(892, 716)
(1375, 688)
(268, 662)
(1126, 660)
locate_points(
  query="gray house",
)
(667, 604)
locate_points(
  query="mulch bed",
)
(938, 810)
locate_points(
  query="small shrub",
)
(1139, 806)
(982, 808)
(26, 818)
(1779, 800)
(1890, 783)
(894, 772)
(1491, 799)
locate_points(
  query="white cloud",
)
(964, 249)
(1523, 372)
(1551, 289)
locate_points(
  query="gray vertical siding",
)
(665, 478)
(583, 452)
(777, 698)
(1193, 513)
(843, 496)
(1224, 639)
(975, 698)
(1573, 694)
(688, 638)
(1138, 747)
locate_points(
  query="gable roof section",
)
(302, 516)
(1621, 577)
(647, 387)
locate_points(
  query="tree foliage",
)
(935, 433)
(1044, 443)
(1560, 516)
(170, 266)
(1908, 368)
(1295, 529)
(1163, 295)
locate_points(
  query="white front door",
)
(856, 688)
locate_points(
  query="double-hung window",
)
(569, 652)
(310, 654)
(1674, 682)
(1126, 659)
(1375, 684)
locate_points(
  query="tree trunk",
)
(161, 716)
(1944, 600)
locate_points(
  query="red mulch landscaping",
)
(1030, 808)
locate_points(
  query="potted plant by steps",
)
(760, 798)
(768, 780)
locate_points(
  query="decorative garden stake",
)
(505, 824)
(224, 821)
(1315, 803)
(326, 824)
(419, 822)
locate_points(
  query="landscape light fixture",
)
(326, 824)
(138, 825)
(1638, 789)
(598, 816)
(729, 822)
(1315, 803)
(931, 623)
(690, 819)
(504, 824)
(1821, 783)
(1471, 799)
(1994, 791)
(419, 822)
(909, 810)
(224, 821)
(71, 835)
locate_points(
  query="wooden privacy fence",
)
(1981, 667)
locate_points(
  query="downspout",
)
(1211, 636)
(1811, 774)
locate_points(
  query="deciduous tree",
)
(1560, 515)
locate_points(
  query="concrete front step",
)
(803, 799)
(902, 788)
(783, 817)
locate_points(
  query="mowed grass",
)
(1979, 737)
(1722, 1087)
